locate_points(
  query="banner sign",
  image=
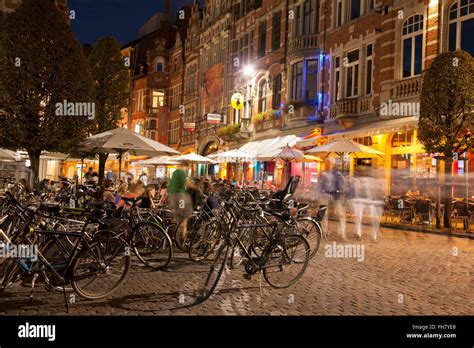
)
(213, 118)
(189, 126)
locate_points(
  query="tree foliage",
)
(41, 64)
(111, 83)
(446, 113)
(111, 88)
(447, 100)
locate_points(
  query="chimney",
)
(168, 8)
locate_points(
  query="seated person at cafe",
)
(146, 200)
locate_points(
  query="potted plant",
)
(259, 118)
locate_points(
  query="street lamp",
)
(248, 70)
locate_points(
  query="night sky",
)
(118, 18)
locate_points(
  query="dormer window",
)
(159, 64)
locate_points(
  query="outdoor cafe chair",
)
(422, 210)
(461, 210)
(391, 209)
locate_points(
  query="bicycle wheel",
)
(287, 261)
(184, 231)
(10, 273)
(101, 266)
(204, 240)
(237, 255)
(152, 245)
(57, 256)
(311, 230)
(215, 272)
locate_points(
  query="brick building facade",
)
(319, 66)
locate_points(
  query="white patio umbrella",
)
(234, 156)
(8, 155)
(195, 158)
(122, 140)
(346, 146)
(288, 154)
(161, 160)
(340, 147)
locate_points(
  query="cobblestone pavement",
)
(405, 273)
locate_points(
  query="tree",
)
(446, 112)
(111, 88)
(41, 64)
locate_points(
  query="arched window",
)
(367, 141)
(461, 26)
(159, 64)
(262, 95)
(412, 45)
(403, 139)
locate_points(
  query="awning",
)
(367, 129)
(268, 145)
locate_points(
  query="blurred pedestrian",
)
(179, 200)
(333, 189)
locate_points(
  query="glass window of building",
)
(262, 39)
(352, 74)
(368, 69)
(311, 81)
(276, 24)
(262, 96)
(338, 13)
(157, 99)
(297, 81)
(276, 93)
(159, 64)
(308, 17)
(403, 139)
(354, 9)
(461, 26)
(337, 79)
(412, 39)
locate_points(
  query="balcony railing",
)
(407, 88)
(303, 42)
(351, 107)
(154, 111)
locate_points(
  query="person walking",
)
(179, 200)
(333, 194)
(359, 202)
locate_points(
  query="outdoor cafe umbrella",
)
(340, 147)
(233, 156)
(345, 146)
(160, 160)
(121, 140)
(7, 155)
(194, 158)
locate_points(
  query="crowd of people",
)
(358, 194)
